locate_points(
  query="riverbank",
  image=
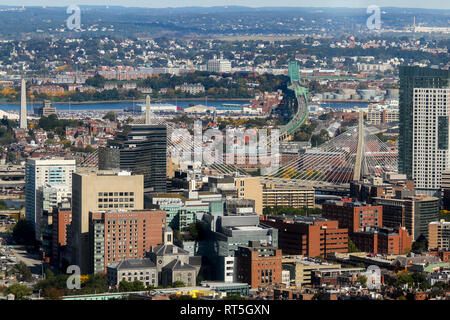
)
(37, 102)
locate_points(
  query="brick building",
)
(61, 219)
(383, 240)
(354, 216)
(308, 236)
(258, 265)
(120, 235)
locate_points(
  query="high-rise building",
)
(141, 150)
(120, 235)
(413, 108)
(103, 191)
(62, 218)
(38, 173)
(23, 106)
(250, 188)
(219, 65)
(439, 235)
(431, 138)
(412, 212)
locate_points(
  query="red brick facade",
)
(309, 237)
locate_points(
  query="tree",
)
(23, 233)
(25, 273)
(362, 280)
(178, 284)
(125, 286)
(110, 115)
(19, 291)
(53, 293)
(351, 246)
(421, 244)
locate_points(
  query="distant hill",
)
(205, 21)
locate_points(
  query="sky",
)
(429, 4)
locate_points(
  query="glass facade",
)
(410, 78)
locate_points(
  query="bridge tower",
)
(360, 163)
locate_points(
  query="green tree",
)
(351, 246)
(110, 115)
(421, 244)
(19, 291)
(24, 271)
(178, 284)
(362, 280)
(23, 233)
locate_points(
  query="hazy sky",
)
(432, 4)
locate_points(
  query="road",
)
(33, 262)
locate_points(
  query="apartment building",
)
(287, 196)
(308, 236)
(354, 216)
(123, 234)
(439, 235)
(100, 191)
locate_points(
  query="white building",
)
(38, 173)
(49, 196)
(219, 65)
(430, 138)
(191, 88)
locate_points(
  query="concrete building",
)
(250, 188)
(409, 211)
(125, 234)
(300, 268)
(258, 265)
(218, 65)
(23, 106)
(143, 270)
(229, 231)
(287, 196)
(308, 236)
(414, 134)
(38, 173)
(431, 135)
(439, 235)
(45, 110)
(102, 191)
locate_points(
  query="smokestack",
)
(23, 106)
(147, 110)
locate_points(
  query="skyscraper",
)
(431, 138)
(414, 78)
(23, 106)
(38, 173)
(104, 191)
(140, 149)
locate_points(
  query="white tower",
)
(23, 106)
(147, 110)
